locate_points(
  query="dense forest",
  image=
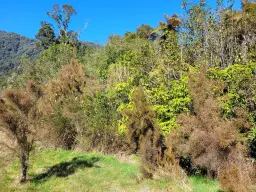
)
(180, 97)
(12, 48)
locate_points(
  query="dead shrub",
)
(144, 137)
(103, 141)
(210, 141)
(19, 120)
(62, 105)
(237, 176)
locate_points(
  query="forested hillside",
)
(12, 48)
(177, 102)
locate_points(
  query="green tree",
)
(172, 24)
(46, 35)
(130, 35)
(144, 31)
(62, 17)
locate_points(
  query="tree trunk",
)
(24, 167)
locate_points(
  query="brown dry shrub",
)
(61, 105)
(209, 140)
(19, 119)
(148, 153)
(237, 174)
(144, 136)
(141, 119)
(7, 149)
(103, 141)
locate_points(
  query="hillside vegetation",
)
(177, 101)
(12, 48)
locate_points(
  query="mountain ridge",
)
(13, 47)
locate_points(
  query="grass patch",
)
(60, 170)
(202, 184)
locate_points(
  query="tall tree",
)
(62, 17)
(171, 25)
(46, 35)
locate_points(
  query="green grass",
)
(68, 171)
(202, 184)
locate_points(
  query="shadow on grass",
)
(65, 169)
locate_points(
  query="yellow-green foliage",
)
(240, 87)
(169, 99)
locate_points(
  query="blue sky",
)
(103, 17)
